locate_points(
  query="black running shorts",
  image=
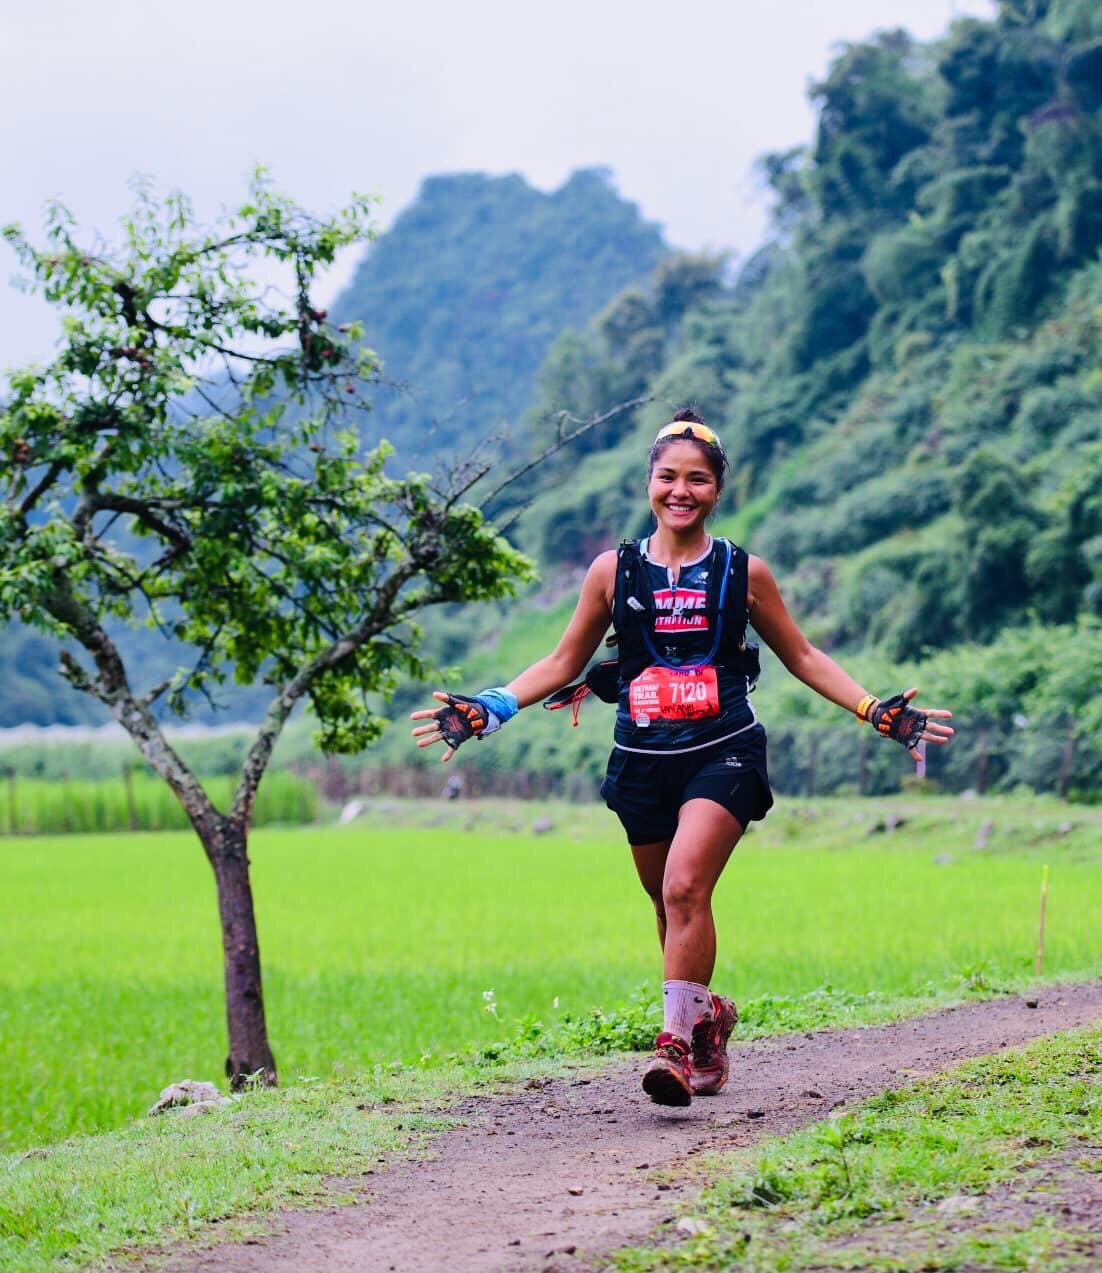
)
(646, 792)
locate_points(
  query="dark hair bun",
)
(688, 415)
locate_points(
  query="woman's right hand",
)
(565, 663)
(460, 718)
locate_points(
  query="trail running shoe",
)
(710, 1064)
(668, 1079)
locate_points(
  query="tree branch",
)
(563, 439)
(112, 688)
(40, 487)
(382, 615)
(152, 695)
(97, 501)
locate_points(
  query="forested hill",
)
(464, 294)
(909, 377)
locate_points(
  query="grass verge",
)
(174, 1177)
(861, 1190)
(632, 1026)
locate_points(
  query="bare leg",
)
(650, 862)
(706, 835)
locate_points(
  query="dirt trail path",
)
(537, 1178)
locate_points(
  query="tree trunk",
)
(224, 839)
(250, 1054)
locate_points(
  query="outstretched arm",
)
(778, 630)
(565, 663)
(588, 625)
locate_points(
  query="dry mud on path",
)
(544, 1177)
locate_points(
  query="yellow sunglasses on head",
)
(687, 428)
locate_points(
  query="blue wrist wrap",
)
(500, 702)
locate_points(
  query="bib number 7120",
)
(674, 694)
(689, 690)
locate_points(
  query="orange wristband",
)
(865, 706)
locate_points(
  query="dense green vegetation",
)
(111, 943)
(912, 361)
(137, 801)
(908, 379)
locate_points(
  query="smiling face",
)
(682, 487)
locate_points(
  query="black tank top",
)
(682, 636)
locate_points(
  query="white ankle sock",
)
(684, 1003)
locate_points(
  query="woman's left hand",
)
(901, 719)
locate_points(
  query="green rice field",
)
(51, 806)
(429, 930)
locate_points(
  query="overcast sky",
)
(342, 95)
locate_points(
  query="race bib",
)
(670, 693)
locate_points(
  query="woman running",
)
(688, 770)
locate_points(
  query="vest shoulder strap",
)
(736, 614)
(630, 577)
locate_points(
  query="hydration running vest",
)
(637, 614)
(675, 627)
(700, 620)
